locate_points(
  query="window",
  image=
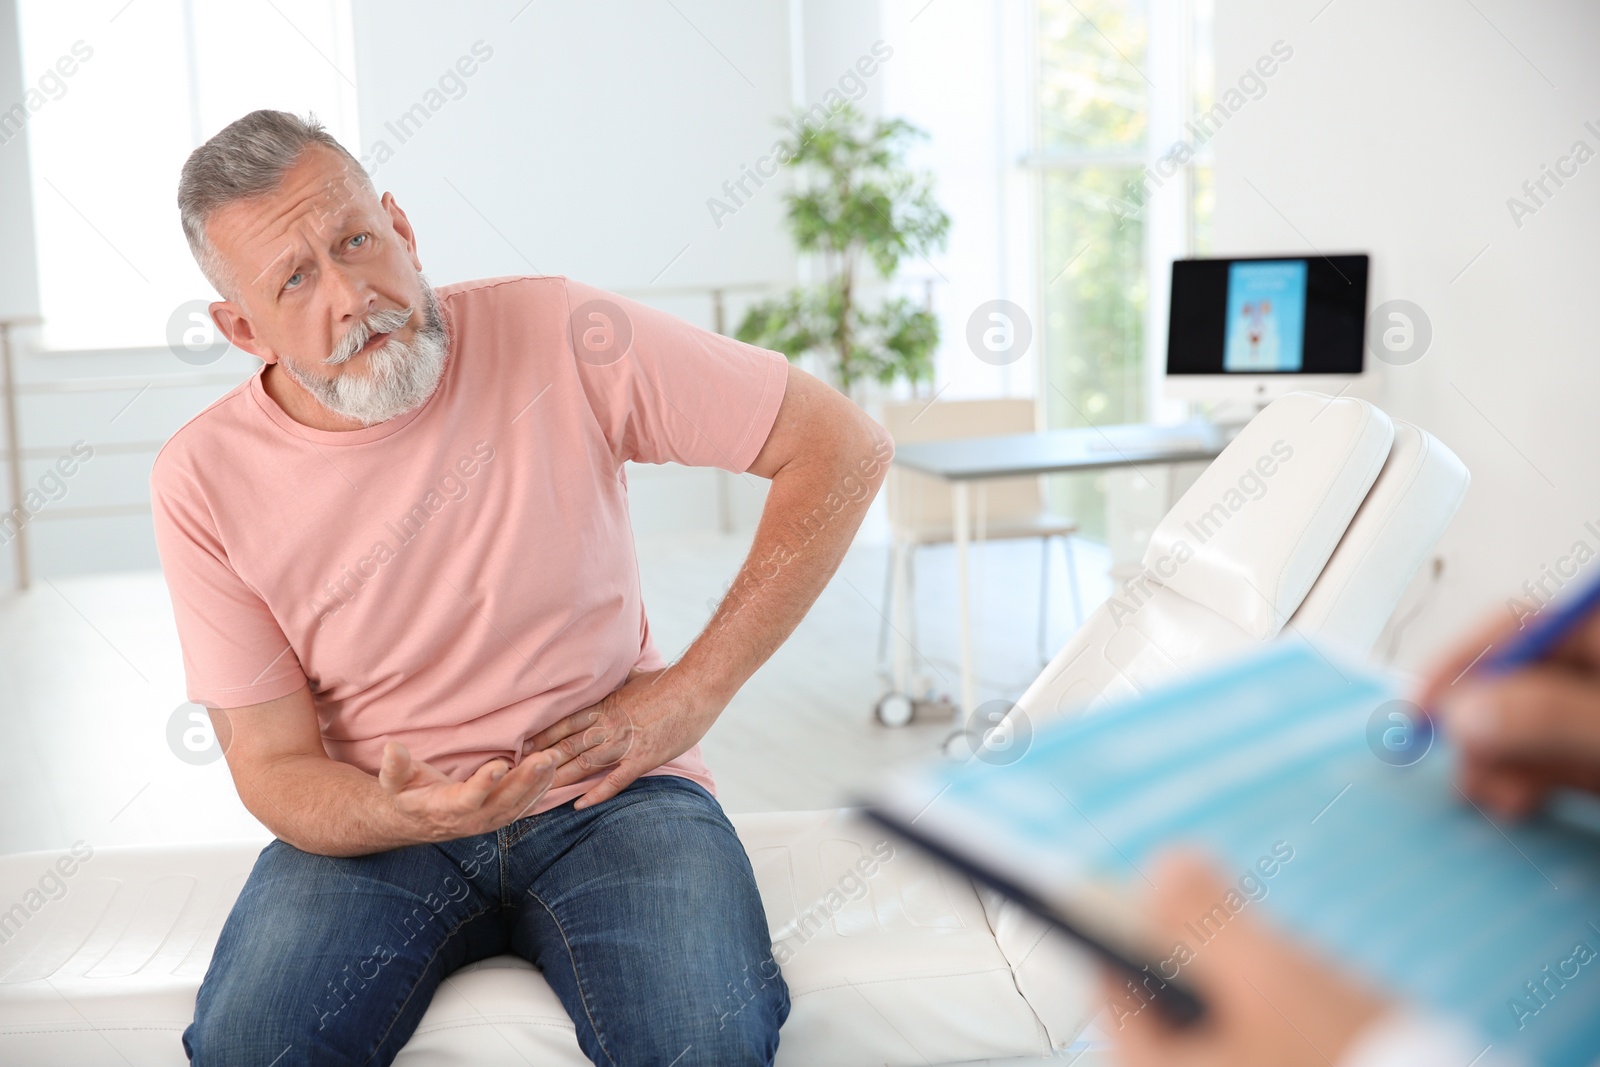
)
(1106, 111)
(105, 159)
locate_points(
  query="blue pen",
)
(1547, 630)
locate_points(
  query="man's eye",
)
(290, 284)
(361, 237)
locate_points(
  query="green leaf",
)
(855, 202)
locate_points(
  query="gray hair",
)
(244, 160)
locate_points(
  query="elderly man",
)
(405, 584)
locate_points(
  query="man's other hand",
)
(646, 721)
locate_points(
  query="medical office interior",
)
(1296, 289)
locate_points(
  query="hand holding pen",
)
(1521, 700)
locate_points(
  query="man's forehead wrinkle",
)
(273, 224)
(320, 202)
(271, 233)
(272, 266)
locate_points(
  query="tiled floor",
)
(90, 677)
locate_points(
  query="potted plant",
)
(856, 208)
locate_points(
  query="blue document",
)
(1319, 773)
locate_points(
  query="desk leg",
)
(962, 517)
(898, 624)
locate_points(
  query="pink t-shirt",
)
(461, 576)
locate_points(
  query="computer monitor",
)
(1252, 329)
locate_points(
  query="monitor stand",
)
(1232, 412)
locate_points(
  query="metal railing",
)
(716, 293)
(16, 519)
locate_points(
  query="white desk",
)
(962, 462)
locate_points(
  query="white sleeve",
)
(1411, 1039)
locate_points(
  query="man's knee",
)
(225, 1035)
(238, 1033)
(282, 1008)
(741, 1025)
(309, 968)
(754, 1007)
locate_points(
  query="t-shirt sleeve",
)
(234, 652)
(666, 391)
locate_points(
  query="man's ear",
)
(402, 226)
(237, 329)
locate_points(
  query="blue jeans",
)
(642, 913)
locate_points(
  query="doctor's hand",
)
(1269, 1004)
(443, 809)
(1526, 732)
(652, 717)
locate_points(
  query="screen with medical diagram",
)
(1268, 315)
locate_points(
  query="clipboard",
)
(1390, 870)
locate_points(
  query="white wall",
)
(1402, 129)
(590, 140)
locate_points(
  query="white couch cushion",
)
(908, 971)
(888, 962)
(1418, 492)
(1132, 643)
(1255, 529)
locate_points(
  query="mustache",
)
(364, 330)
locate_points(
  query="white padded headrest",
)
(1251, 535)
(1403, 516)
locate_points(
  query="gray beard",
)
(400, 375)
